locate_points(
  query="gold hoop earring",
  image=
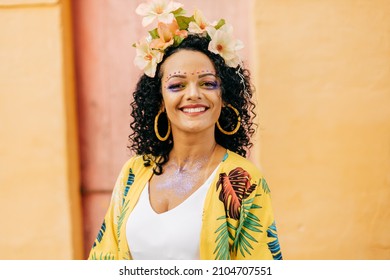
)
(156, 128)
(238, 122)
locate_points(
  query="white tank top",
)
(171, 235)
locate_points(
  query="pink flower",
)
(147, 59)
(157, 9)
(166, 33)
(223, 43)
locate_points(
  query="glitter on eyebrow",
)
(192, 73)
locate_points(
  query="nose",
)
(193, 92)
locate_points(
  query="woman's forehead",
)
(188, 62)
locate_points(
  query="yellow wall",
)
(323, 81)
(39, 183)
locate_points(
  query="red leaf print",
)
(237, 187)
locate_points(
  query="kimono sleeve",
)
(106, 245)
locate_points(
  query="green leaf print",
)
(121, 217)
(235, 190)
(242, 235)
(222, 240)
(107, 256)
(264, 185)
(248, 223)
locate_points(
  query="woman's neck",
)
(190, 151)
(184, 155)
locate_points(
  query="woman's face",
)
(191, 92)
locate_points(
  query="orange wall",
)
(39, 200)
(323, 82)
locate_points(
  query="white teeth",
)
(194, 110)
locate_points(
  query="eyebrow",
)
(176, 76)
(207, 74)
(184, 76)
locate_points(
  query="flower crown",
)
(173, 27)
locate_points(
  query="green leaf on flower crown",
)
(220, 23)
(177, 40)
(179, 12)
(154, 33)
(184, 22)
(134, 45)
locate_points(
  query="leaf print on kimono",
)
(222, 249)
(125, 204)
(100, 234)
(264, 185)
(274, 246)
(107, 256)
(130, 181)
(248, 223)
(235, 188)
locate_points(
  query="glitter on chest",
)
(182, 181)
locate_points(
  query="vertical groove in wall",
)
(71, 133)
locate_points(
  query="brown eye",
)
(176, 87)
(210, 85)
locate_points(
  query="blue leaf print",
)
(274, 246)
(124, 207)
(100, 234)
(225, 157)
(130, 181)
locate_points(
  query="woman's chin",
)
(195, 129)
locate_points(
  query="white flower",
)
(147, 59)
(223, 43)
(157, 9)
(200, 24)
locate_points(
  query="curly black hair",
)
(236, 89)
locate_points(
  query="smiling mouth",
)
(194, 110)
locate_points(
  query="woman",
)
(189, 193)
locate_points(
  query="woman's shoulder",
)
(133, 168)
(133, 160)
(134, 163)
(233, 161)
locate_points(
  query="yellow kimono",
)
(237, 221)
